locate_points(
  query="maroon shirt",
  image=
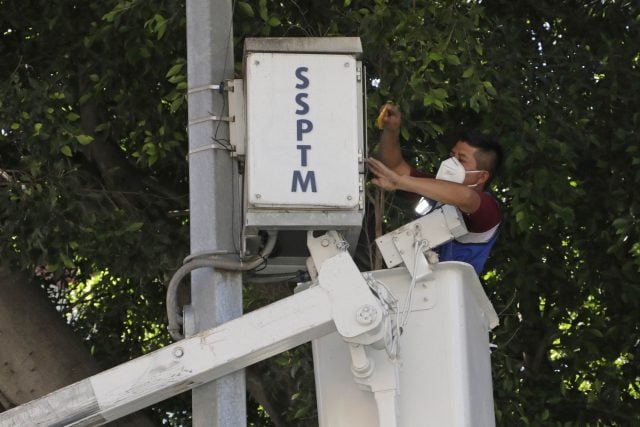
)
(486, 217)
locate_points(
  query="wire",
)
(207, 260)
(420, 246)
(263, 265)
(226, 65)
(236, 205)
(275, 278)
(389, 304)
(204, 254)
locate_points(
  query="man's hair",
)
(489, 156)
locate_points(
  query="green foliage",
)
(565, 278)
(92, 155)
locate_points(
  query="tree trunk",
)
(39, 351)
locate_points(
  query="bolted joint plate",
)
(349, 294)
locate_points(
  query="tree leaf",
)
(66, 150)
(246, 9)
(84, 139)
(134, 226)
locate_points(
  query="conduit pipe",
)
(207, 260)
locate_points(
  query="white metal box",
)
(302, 129)
(305, 142)
(444, 363)
(305, 133)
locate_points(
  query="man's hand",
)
(450, 193)
(389, 151)
(385, 177)
(392, 118)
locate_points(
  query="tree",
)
(90, 177)
(57, 358)
(93, 187)
(572, 240)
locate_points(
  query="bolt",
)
(256, 62)
(366, 314)
(258, 196)
(324, 243)
(346, 65)
(178, 352)
(349, 197)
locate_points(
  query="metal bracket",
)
(410, 247)
(237, 108)
(212, 119)
(356, 312)
(203, 88)
(222, 87)
(438, 227)
(209, 147)
(324, 247)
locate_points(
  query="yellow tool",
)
(381, 116)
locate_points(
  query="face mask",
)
(451, 170)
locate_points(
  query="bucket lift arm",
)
(340, 301)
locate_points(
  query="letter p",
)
(303, 126)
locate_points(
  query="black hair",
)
(489, 150)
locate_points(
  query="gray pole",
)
(216, 296)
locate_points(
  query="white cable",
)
(389, 303)
(406, 309)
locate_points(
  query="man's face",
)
(466, 155)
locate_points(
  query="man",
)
(461, 182)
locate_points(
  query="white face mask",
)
(452, 170)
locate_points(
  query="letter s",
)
(304, 80)
(304, 107)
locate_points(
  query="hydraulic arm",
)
(340, 300)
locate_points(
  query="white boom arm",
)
(339, 300)
(335, 303)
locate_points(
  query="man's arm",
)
(450, 193)
(389, 151)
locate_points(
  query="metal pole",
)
(216, 296)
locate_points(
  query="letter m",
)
(304, 183)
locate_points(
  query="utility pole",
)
(216, 296)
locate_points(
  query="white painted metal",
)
(302, 147)
(407, 243)
(333, 303)
(443, 365)
(275, 219)
(237, 111)
(181, 366)
(282, 171)
(323, 247)
(330, 96)
(440, 375)
(339, 45)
